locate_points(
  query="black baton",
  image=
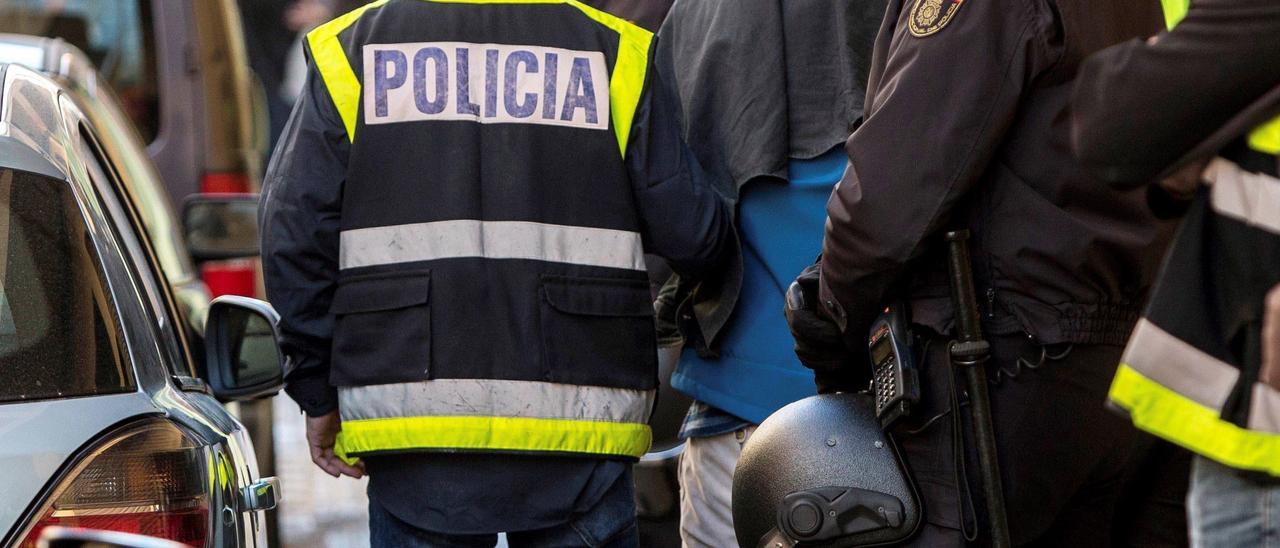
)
(970, 352)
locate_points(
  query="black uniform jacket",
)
(1131, 114)
(1143, 109)
(646, 13)
(966, 126)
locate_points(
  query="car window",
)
(58, 334)
(141, 179)
(105, 179)
(115, 34)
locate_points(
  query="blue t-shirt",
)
(781, 226)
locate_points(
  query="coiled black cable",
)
(1021, 364)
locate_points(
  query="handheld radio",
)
(895, 381)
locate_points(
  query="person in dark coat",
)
(964, 129)
(1199, 104)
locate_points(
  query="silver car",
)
(103, 423)
(71, 68)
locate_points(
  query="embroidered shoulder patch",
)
(930, 16)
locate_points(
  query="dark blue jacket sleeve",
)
(1139, 107)
(299, 221)
(685, 221)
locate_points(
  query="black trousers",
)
(1069, 466)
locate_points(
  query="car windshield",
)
(58, 335)
(115, 34)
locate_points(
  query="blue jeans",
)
(611, 523)
(1228, 509)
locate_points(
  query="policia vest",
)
(1190, 372)
(492, 293)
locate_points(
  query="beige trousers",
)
(706, 484)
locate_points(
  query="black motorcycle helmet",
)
(821, 472)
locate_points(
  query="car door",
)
(66, 368)
(66, 363)
(186, 398)
(146, 191)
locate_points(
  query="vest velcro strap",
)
(492, 434)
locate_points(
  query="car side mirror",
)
(221, 226)
(72, 537)
(242, 349)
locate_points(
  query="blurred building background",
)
(317, 510)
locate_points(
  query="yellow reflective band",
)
(1174, 11)
(626, 85)
(1266, 139)
(630, 70)
(331, 61)
(1165, 413)
(492, 434)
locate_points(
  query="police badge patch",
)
(930, 16)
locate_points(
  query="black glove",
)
(819, 342)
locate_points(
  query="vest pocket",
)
(598, 331)
(382, 332)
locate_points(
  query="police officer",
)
(964, 128)
(1201, 368)
(453, 233)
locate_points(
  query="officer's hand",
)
(819, 343)
(1184, 182)
(322, 432)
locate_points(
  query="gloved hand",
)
(819, 343)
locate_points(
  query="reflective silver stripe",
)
(1252, 198)
(492, 240)
(1180, 367)
(494, 398)
(1264, 409)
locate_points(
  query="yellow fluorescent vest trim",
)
(335, 70)
(1165, 413)
(1266, 139)
(1174, 11)
(626, 84)
(492, 434)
